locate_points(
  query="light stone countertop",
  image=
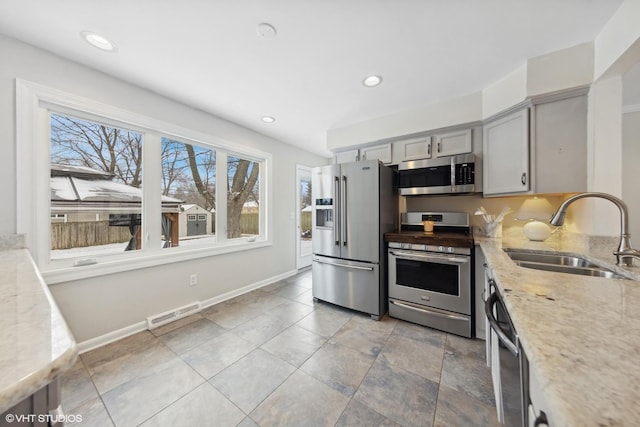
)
(581, 334)
(36, 345)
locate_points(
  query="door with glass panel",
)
(304, 210)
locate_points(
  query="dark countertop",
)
(437, 238)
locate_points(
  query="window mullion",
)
(42, 192)
(151, 193)
(221, 196)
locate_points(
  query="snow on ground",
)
(117, 248)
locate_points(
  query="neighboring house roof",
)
(308, 209)
(77, 185)
(187, 207)
(79, 172)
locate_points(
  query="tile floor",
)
(273, 357)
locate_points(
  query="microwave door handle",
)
(493, 323)
(453, 174)
(336, 210)
(344, 211)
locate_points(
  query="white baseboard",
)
(110, 337)
(116, 335)
(237, 292)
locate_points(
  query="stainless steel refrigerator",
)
(354, 204)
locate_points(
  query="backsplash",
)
(493, 205)
(12, 241)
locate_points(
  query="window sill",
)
(54, 275)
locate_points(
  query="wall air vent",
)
(174, 314)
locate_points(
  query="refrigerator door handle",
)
(344, 211)
(336, 212)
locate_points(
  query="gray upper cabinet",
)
(506, 154)
(413, 149)
(559, 129)
(538, 150)
(438, 145)
(346, 156)
(452, 143)
(377, 152)
(380, 152)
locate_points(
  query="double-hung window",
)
(102, 190)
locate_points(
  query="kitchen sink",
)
(548, 258)
(561, 263)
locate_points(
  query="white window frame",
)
(35, 102)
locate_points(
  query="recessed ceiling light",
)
(96, 40)
(268, 119)
(266, 31)
(372, 81)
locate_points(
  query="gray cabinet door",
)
(360, 225)
(561, 146)
(506, 154)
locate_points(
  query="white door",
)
(304, 211)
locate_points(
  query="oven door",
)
(437, 280)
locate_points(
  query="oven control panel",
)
(429, 248)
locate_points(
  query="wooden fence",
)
(305, 222)
(67, 235)
(250, 223)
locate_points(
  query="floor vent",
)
(171, 315)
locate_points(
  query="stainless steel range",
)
(430, 281)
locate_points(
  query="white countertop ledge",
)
(36, 345)
(581, 334)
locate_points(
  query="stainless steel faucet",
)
(625, 253)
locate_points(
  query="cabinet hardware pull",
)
(429, 149)
(439, 147)
(541, 420)
(523, 179)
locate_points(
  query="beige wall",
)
(616, 46)
(508, 91)
(630, 171)
(463, 109)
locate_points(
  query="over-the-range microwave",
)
(442, 175)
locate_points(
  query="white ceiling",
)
(206, 53)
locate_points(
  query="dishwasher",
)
(509, 364)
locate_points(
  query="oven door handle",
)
(431, 311)
(493, 323)
(412, 256)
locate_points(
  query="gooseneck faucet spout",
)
(625, 253)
